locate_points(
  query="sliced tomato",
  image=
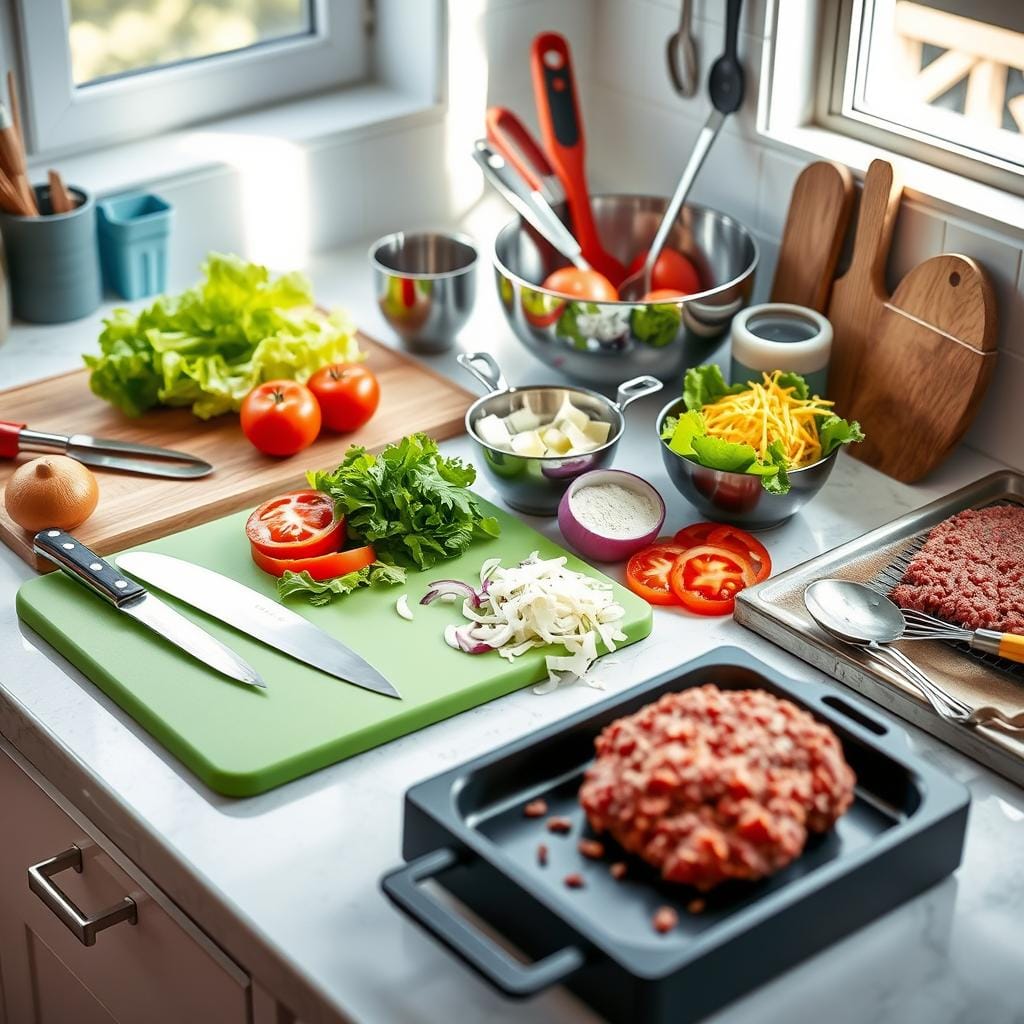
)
(300, 524)
(706, 579)
(648, 572)
(695, 533)
(320, 567)
(740, 540)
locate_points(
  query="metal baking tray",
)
(775, 609)
(465, 830)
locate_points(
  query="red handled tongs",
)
(105, 454)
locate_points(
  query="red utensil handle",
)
(10, 435)
(561, 128)
(514, 141)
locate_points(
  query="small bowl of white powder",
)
(608, 514)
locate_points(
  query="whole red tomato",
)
(280, 417)
(348, 394)
(581, 284)
(672, 271)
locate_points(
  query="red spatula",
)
(561, 126)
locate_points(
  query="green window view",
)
(117, 37)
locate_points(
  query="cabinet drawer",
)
(161, 969)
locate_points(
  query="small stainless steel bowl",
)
(605, 342)
(425, 286)
(739, 498)
(535, 485)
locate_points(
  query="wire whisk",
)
(921, 626)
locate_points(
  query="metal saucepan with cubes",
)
(534, 441)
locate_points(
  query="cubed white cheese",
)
(522, 419)
(528, 443)
(556, 441)
(492, 431)
(579, 441)
(567, 411)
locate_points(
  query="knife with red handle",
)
(16, 438)
(554, 90)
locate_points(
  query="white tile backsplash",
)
(774, 187)
(620, 59)
(999, 428)
(918, 236)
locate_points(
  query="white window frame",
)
(63, 118)
(835, 109)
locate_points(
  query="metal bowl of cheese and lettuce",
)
(752, 453)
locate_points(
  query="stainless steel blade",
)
(255, 615)
(136, 458)
(164, 620)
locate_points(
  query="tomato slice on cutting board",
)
(648, 572)
(706, 579)
(320, 567)
(300, 524)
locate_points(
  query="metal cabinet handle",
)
(82, 927)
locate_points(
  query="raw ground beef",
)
(709, 785)
(970, 570)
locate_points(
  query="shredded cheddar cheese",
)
(767, 412)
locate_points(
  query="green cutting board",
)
(241, 741)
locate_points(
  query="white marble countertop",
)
(288, 881)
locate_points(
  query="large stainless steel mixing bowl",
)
(605, 342)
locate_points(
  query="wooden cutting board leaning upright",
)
(816, 223)
(912, 367)
(920, 385)
(859, 296)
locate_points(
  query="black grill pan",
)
(466, 830)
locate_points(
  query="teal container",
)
(134, 230)
(53, 260)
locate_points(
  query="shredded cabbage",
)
(540, 602)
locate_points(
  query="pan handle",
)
(490, 376)
(639, 387)
(488, 959)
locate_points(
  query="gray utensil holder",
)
(53, 260)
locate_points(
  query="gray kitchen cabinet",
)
(161, 969)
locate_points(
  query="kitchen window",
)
(937, 80)
(97, 71)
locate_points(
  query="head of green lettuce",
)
(687, 435)
(211, 345)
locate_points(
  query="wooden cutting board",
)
(860, 295)
(819, 214)
(135, 509)
(920, 383)
(241, 741)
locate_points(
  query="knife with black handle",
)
(129, 597)
(257, 616)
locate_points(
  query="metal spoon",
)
(681, 54)
(725, 85)
(856, 614)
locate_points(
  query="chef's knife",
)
(256, 616)
(102, 452)
(127, 596)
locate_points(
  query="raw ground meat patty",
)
(970, 570)
(709, 785)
